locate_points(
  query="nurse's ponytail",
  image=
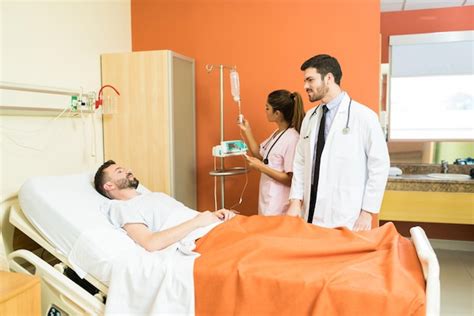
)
(298, 112)
(290, 105)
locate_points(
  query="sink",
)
(449, 176)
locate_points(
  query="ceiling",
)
(405, 5)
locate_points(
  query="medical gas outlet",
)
(230, 148)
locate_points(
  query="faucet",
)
(444, 166)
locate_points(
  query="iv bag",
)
(235, 85)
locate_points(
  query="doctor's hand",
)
(294, 209)
(224, 214)
(364, 222)
(254, 162)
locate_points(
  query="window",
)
(431, 94)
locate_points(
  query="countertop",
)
(415, 178)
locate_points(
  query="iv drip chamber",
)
(235, 85)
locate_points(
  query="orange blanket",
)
(282, 266)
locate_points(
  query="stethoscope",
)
(345, 130)
(265, 161)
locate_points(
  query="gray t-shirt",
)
(156, 210)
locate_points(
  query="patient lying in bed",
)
(267, 265)
(245, 266)
(145, 216)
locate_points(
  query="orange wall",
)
(267, 41)
(424, 21)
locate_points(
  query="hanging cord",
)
(84, 129)
(215, 187)
(38, 130)
(243, 190)
(94, 137)
(246, 177)
(46, 126)
(241, 194)
(94, 128)
(82, 116)
(84, 126)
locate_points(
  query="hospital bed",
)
(59, 213)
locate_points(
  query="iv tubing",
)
(210, 68)
(215, 187)
(221, 84)
(243, 190)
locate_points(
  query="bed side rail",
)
(57, 291)
(19, 220)
(430, 265)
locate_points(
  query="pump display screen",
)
(234, 146)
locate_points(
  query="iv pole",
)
(222, 172)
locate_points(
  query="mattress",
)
(66, 210)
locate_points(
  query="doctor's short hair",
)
(100, 177)
(324, 64)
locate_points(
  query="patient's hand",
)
(364, 222)
(224, 214)
(206, 218)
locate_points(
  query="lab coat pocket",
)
(346, 203)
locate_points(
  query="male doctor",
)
(341, 162)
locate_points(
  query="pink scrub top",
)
(273, 195)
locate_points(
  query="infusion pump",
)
(230, 148)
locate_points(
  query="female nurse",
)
(273, 158)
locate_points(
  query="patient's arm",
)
(153, 241)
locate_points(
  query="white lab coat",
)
(354, 166)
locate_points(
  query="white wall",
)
(54, 44)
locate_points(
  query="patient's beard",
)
(127, 183)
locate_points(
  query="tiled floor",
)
(457, 282)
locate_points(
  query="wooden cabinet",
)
(19, 294)
(430, 207)
(153, 130)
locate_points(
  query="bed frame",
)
(58, 291)
(61, 293)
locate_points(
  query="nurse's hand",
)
(364, 222)
(254, 162)
(245, 126)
